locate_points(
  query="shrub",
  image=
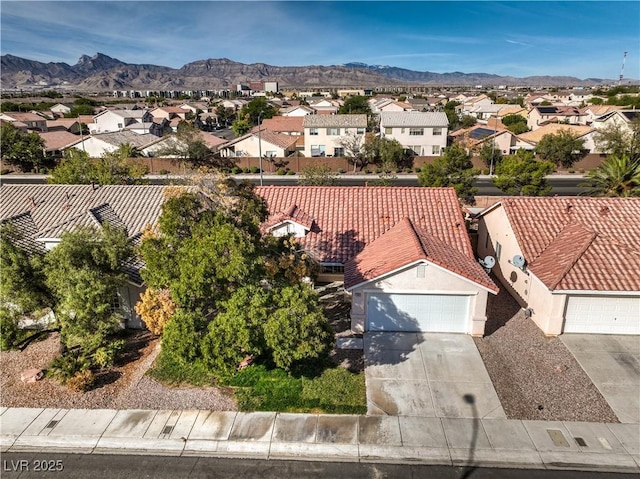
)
(105, 356)
(67, 366)
(163, 172)
(235, 170)
(378, 170)
(8, 329)
(291, 172)
(246, 170)
(155, 308)
(485, 171)
(5, 171)
(581, 170)
(81, 381)
(341, 171)
(367, 171)
(417, 169)
(407, 170)
(255, 169)
(398, 170)
(571, 170)
(281, 172)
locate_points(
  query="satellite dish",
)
(489, 262)
(518, 261)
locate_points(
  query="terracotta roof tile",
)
(405, 244)
(349, 218)
(579, 243)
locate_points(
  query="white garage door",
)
(417, 312)
(602, 315)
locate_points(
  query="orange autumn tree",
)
(156, 308)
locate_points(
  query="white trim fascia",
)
(489, 208)
(49, 240)
(283, 222)
(415, 263)
(430, 292)
(586, 292)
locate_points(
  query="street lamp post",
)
(260, 144)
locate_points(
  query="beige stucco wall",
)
(436, 281)
(547, 309)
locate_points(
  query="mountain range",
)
(101, 72)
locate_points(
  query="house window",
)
(338, 152)
(333, 131)
(116, 304)
(416, 131)
(435, 149)
(119, 125)
(317, 150)
(313, 131)
(270, 154)
(332, 269)
(498, 250)
(415, 149)
(360, 131)
(388, 130)
(437, 131)
(421, 271)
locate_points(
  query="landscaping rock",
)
(31, 375)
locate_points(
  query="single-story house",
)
(572, 262)
(403, 253)
(42, 213)
(583, 132)
(98, 144)
(263, 143)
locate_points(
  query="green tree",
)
(317, 175)
(189, 146)
(620, 140)
(225, 115)
(616, 176)
(257, 107)
(25, 150)
(453, 169)
(452, 116)
(297, 330)
(83, 272)
(516, 124)
(490, 154)
(520, 174)
(467, 121)
(355, 150)
(356, 104)
(22, 282)
(562, 148)
(76, 168)
(241, 127)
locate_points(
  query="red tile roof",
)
(579, 243)
(405, 244)
(293, 213)
(346, 219)
(282, 124)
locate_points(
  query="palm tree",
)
(616, 176)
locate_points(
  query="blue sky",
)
(518, 38)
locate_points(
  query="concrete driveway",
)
(428, 375)
(612, 362)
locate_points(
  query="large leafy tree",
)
(490, 154)
(83, 272)
(225, 279)
(25, 150)
(257, 107)
(112, 168)
(453, 169)
(516, 124)
(562, 148)
(616, 176)
(620, 140)
(356, 104)
(355, 150)
(521, 174)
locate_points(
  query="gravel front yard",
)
(536, 377)
(123, 387)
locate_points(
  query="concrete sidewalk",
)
(346, 438)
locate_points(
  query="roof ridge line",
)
(579, 254)
(415, 237)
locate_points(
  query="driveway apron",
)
(427, 375)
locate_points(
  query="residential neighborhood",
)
(279, 254)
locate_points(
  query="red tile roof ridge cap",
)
(415, 237)
(593, 235)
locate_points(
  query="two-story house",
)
(425, 133)
(323, 134)
(117, 120)
(541, 115)
(31, 120)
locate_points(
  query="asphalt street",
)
(565, 185)
(95, 466)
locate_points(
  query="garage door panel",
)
(417, 312)
(602, 315)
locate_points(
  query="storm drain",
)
(51, 424)
(581, 442)
(167, 430)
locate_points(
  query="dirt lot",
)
(536, 377)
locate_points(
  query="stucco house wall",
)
(437, 280)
